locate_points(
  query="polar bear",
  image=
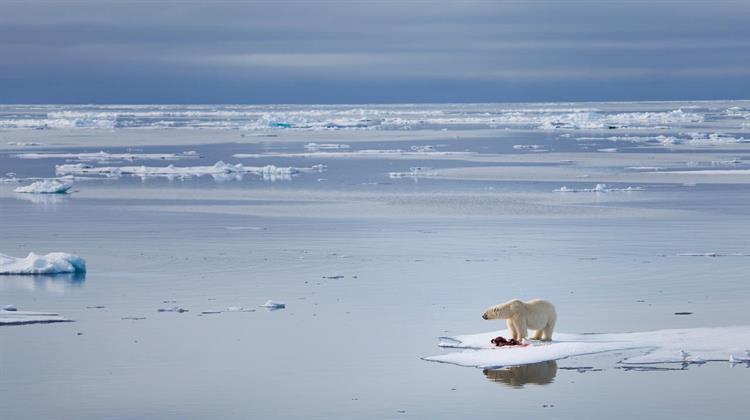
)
(535, 314)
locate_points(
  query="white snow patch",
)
(654, 347)
(53, 263)
(47, 186)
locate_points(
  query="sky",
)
(372, 52)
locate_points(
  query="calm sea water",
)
(420, 258)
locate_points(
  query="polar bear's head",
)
(503, 310)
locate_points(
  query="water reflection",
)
(542, 373)
(51, 283)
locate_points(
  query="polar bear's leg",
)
(520, 330)
(538, 334)
(512, 328)
(547, 336)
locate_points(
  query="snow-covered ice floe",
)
(52, 263)
(14, 317)
(414, 172)
(325, 146)
(599, 188)
(46, 186)
(218, 169)
(691, 345)
(414, 151)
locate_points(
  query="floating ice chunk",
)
(414, 172)
(532, 147)
(173, 309)
(10, 308)
(608, 150)
(47, 186)
(104, 156)
(272, 304)
(15, 317)
(599, 188)
(711, 172)
(654, 347)
(711, 254)
(325, 146)
(53, 263)
(219, 168)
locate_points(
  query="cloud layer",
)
(328, 52)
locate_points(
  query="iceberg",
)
(52, 263)
(46, 186)
(14, 317)
(691, 345)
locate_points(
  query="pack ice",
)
(219, 168)
(52, 263)
(692, 345)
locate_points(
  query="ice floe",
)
(52, 263)
(693, 345)
(47, 186)
(415, 151)
(325, 146)
(220, 168)
(414, 172)
(16, 317)
(599, 188)
(104, 156)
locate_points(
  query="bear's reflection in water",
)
(542, 373)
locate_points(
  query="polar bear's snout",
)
(484, 315)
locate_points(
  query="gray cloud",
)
(372, 51)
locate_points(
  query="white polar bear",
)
(535, 314)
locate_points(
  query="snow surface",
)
(52, 263)
(46, 186)
(25, 317)
(692, 345)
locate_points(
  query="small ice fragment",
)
(173, 309)
(210, 312)
(272, 304)
(732, 359)
(684, 354)
(10, 308)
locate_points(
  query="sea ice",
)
(654, 347)
(53, 263)
(219, 168)
(325, 146)
(46, 186)
(603, 188)
(104, 156)
(15, 317)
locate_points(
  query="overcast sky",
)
(360, 52)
